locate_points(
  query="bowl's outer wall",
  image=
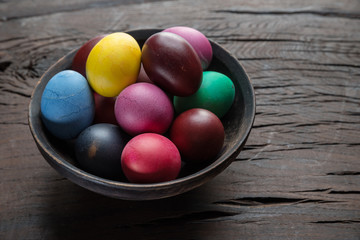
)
(237, 123)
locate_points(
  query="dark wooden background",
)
(299, 174)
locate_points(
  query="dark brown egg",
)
(171, 63)
(198, 134)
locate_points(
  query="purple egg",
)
(197, 40)
(143, 108)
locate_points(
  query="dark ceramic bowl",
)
(237, 123)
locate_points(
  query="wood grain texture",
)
(299, 174)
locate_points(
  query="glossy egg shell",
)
(197, 40)
(113, 64)
(67, 104)
(98, 150)
(79, 61)
(216, 94)
(172, 64)
(198, 134)
(143, 107)
(150, 158)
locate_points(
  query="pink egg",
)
(143, 107)
(197, 40)
(150, 158)
(143, 77)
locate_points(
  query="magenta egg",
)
(79, 61)
(150, 158)
(143, 107)
(172, 64)
(197, 40)
(198, 134)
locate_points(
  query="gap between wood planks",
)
(323, 13)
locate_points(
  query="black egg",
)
(98, 150)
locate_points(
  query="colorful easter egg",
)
(98, 150)
(113, 64)
(67, 104)
(216, 94)
(198, 134)
(143, 107)
(150, 158)
(172, 64)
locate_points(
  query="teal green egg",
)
(216, 94)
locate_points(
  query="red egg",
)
(198, 134)
(79, 61)
(150, 158)
(172, 63)
(104, 109)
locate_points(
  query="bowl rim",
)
(220, 163)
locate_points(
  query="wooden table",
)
(299, 174)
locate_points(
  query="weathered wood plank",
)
(298, 176)
(24, 9)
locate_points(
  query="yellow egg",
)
(113, 64)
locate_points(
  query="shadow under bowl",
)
(237, 124)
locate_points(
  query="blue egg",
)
(67, 104)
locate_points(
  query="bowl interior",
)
(237, 124)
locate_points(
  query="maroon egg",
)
(171, 63)
(79, 61)
(198, 134)
(104, 109)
